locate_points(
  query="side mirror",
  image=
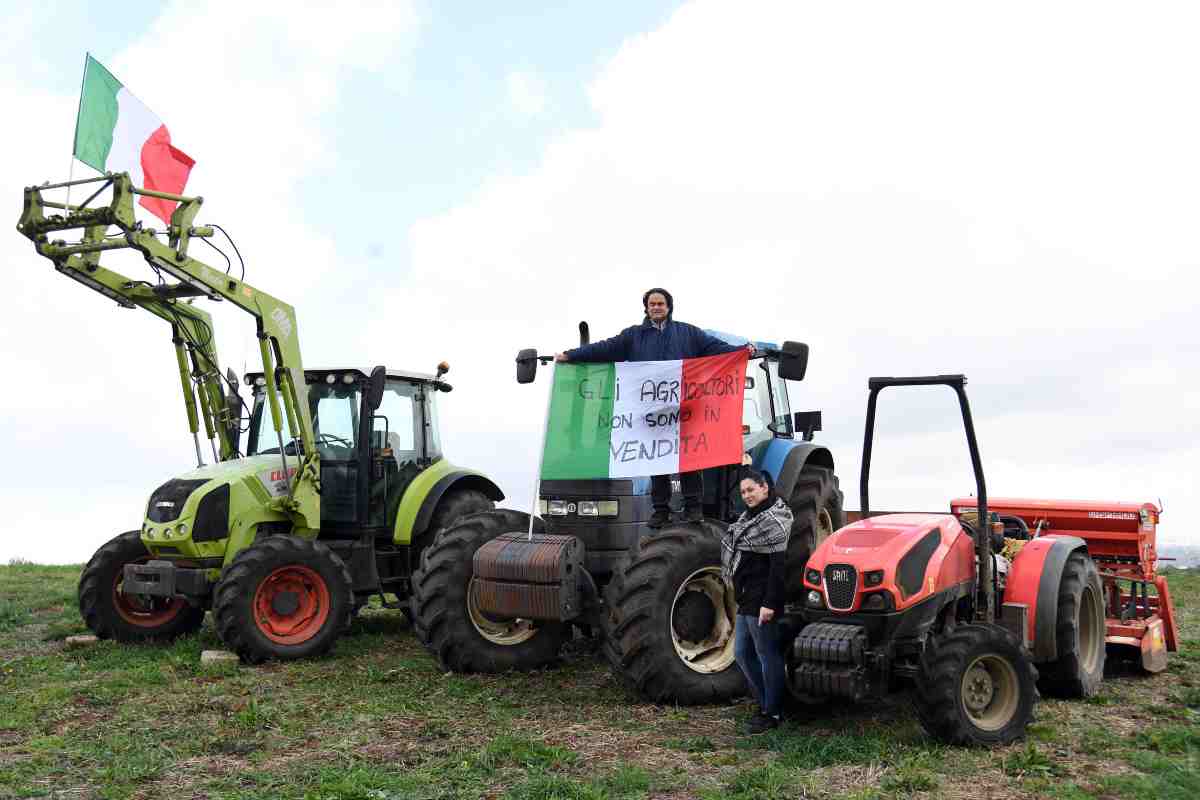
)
(375, 388)
(793, 361)
(527, 362)
(807, 423)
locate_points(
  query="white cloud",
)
(912, 188)
(94, 418)
(526, 92)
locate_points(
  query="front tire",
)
(816, 505)
(975, 687)
(1079, 632)
(459, 635)
(283, 598)
(111, 614)
(669, 620)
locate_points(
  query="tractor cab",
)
(365, 469)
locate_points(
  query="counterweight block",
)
(532, 579)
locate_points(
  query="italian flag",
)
(639, 418)
(115, 132)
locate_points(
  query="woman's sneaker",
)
(761, 723)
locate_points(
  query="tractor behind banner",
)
(488, 597)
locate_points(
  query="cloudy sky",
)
(1008, 191)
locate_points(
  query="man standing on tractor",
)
(659, 338)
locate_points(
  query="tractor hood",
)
(267, 469)
(191, 515)
(906, 556)
(876, 542)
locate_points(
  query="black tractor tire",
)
(111, 614)
(442, 614)
(283, 598)
(1079, 632)
(453, 505)
(816, 504)
(657, 605)
(976, 686)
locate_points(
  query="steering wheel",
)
(329, 438)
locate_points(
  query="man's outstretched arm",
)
(612, 349)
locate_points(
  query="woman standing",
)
(753, 557)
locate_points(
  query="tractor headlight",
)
(348, 378)
(149, 532)
(587, 508)
(331, 378)
(558, 508)
(812, 576)
(877, 601)
(542, 507)
(873, 578)
(814, 599)
(607, 508)
(181, 529)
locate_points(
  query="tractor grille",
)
(840, 582)
(168, 499)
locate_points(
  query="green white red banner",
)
(636, 418)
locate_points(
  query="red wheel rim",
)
(291, 604)
(141, 611)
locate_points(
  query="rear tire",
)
(111, 614)
(669, 620)
(975, 687)
(816, 505)
(460, 636)
(283, 598)
(1079, 633)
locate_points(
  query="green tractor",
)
(341, 485)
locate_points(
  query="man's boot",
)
(659, 518)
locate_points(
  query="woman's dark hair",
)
(761, 478)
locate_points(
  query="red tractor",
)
(928, 599)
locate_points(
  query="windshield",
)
(757, 411)
(334, 409)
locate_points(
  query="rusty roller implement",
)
(531, 579)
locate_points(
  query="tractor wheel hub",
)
(694, 617)
(978, 689)
(285, 603)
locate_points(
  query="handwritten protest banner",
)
(645, 417)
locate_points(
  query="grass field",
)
(377, 720)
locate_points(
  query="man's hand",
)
(561, 357)
(750, 347)
(746, 460)
(765, 615)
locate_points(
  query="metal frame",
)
(983, 540)
(191, 328)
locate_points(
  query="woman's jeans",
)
(758, 653)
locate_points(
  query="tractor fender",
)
(1033, 579)
(783, 459)
(421, 498)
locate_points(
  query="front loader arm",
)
(192, 331)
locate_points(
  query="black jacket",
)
(647, 343)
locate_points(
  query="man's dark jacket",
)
(647, 343)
